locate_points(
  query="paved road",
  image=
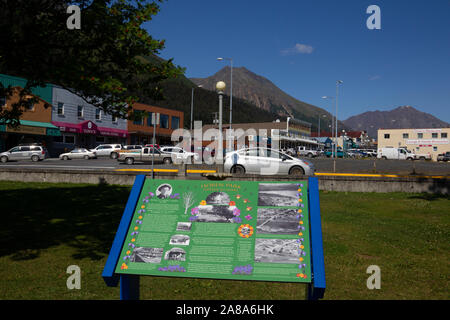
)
(403, 167)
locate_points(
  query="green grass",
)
(47, 227)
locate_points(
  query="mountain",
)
(177, 96)
(400, 118)
(265, 95)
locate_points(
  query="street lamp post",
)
(337, 92)
(220, 87)
(192, 105)
(332, 127)
(231, 89)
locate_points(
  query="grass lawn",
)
(47, 227)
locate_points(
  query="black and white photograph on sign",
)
(276, 251)
(277, 221)
(147, 255)
(164, 191)
(184, 226)
(180, 239)
(211, 213)
(176, 254)
(277, 194)
(218, 198)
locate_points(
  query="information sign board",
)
(241, 230)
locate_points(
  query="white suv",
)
(107, 150)
(180, 155)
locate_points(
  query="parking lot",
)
(323, 165)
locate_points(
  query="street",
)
(323, 165)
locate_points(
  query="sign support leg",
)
(129, 287)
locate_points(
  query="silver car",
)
(265, 161)
(31, 152)
(79, 153)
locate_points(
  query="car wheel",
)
(65, 158)
(297, 171)
(238, 169)
(35, 158)
(129, 161)
(86, 157)
(310, 155)
(167, 161)
(384, 158)
(4, 159)
(113, 155)
(422, 158)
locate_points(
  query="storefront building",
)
(35, 122)
(419, 141)
(140, 129)
(83, 125)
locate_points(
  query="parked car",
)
(307, 152)
(180, 155)
(265, 161)
(107, 150)
(395, 154)
(24, 152)
(78, 153)
(127, 148)
(444, 156)
(146, 154)
(339, 153)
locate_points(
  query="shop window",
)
(80, 112)
(98, 114)
(444, 135)
(164, 120)
(405, 136)
(434, 135)
(29, 106)
(149, 119)
(420, 135)
(58, 139)
(100, 139)
(60, 110)
(387, 136)
(175, 123)
(434, 148)
(138, 119)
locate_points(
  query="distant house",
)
(35, 121)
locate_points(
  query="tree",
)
(106, 62)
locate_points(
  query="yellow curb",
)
(375, 175)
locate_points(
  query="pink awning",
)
(112, 132)
(89, 127)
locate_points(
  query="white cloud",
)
(299, 48)
(376, 77)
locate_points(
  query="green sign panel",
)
(243, 230)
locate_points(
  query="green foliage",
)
(102, 62)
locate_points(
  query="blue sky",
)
(303, 47)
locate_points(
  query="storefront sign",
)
(427, 141)
(27, 130)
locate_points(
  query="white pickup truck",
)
(422, 156)
(304, 152)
